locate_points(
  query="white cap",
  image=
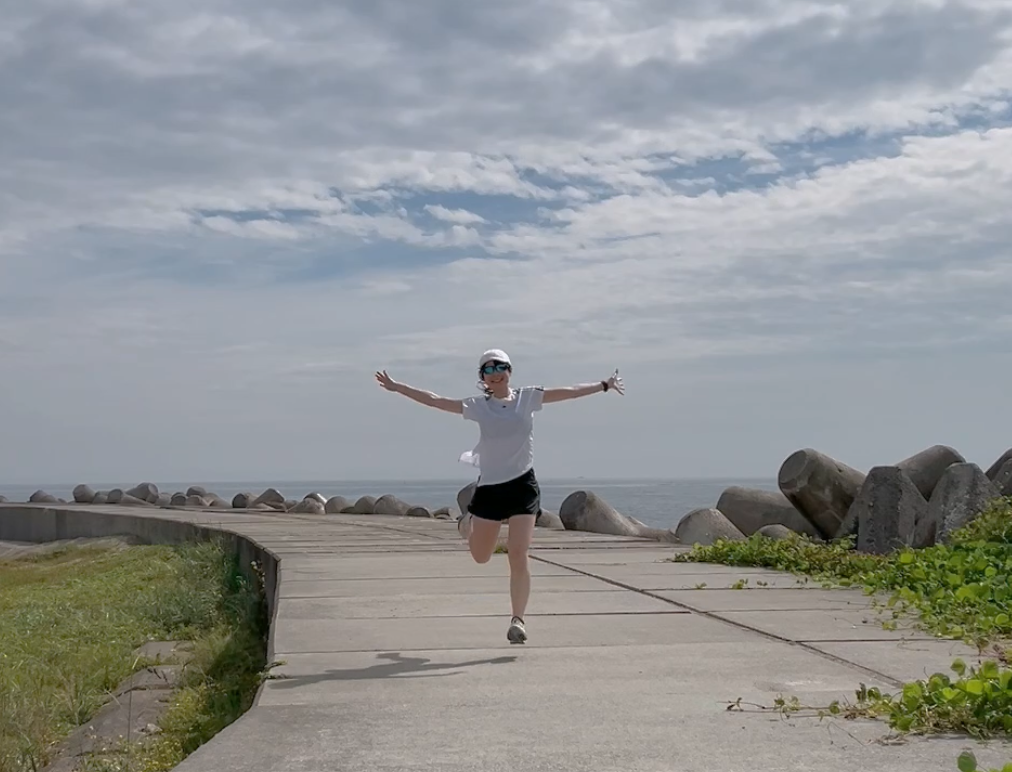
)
(497, 354)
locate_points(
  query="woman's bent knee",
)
(482, 557)
(483, 539)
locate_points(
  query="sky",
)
(786, 223)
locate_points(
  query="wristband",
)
(604, 385)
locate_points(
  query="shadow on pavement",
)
(397, 666)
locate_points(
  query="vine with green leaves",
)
(961, 589)
(968, 763)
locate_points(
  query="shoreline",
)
(414, 481)
(657, 502)
(912, 502)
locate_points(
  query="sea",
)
(658, 503)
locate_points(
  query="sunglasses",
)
(494, 367)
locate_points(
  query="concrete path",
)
(394, 657)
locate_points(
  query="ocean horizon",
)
(660, 503)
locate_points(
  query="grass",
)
(72, 620)
(959, 590)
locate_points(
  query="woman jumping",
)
(507, 488)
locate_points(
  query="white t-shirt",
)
(505, 449)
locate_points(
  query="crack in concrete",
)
(739, 625)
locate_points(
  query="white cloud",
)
(252, 228)
(217, 221)
(459, 216)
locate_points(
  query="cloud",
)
(785, 220)
(460, 216)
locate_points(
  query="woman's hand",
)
(386, 381)
(583, 390)
(615, 383)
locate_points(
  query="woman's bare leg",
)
(521, 533)
(482, 537)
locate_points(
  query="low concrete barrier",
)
(45, 523)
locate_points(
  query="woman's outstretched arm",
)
(584, 389)
(426, 398)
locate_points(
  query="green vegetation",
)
(961, 590)
(72, 621)
(976, 702)
(968, 763)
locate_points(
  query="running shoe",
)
(517, 632)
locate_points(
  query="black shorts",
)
(519, 496)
